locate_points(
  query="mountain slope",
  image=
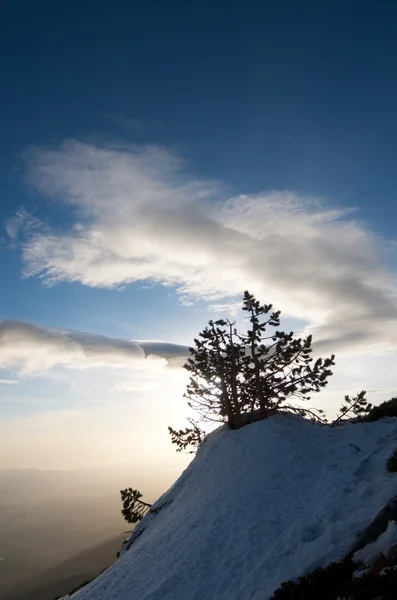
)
(255, 507)
(70, 573)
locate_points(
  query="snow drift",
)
(256, 507)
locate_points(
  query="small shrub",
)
(373, 586)
(188, 439)
(326, 583)
(125, 542)
(130, 541)
(353, 408)
(336, 582)
(386, 409)
(391, 462)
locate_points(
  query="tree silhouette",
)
(358, 406)
(188, 439)
(239, 377)
(278, 367)
(134, 509)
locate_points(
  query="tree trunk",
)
(261, 398)
(225, 395)
(233, 382)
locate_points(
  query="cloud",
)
(22, 220)
(136, 386)
(8, 382)
(163, 349)
(34, 349)
(139, 216)
(230, 308)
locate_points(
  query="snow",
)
(256, 507)
(382, 545)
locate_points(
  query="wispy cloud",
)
(34, 349)
(21, 221)
(140, 216)
(8, 382)
(229, 308)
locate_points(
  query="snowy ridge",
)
(256, 507)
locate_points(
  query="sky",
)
(158, 159)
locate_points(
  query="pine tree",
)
(214, 367)
(234, 375)
(280, 364)
(188, 439)
(134, 509)
(358, 406)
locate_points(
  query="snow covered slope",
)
(254, 508)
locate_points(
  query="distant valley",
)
(58, 528)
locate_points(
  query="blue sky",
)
(208, 147)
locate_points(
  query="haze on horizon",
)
(70, 528)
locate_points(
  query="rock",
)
(376, 527)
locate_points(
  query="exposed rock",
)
(376, 527)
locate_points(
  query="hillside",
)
(256, 507)
(68, 512)
(71, 573)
